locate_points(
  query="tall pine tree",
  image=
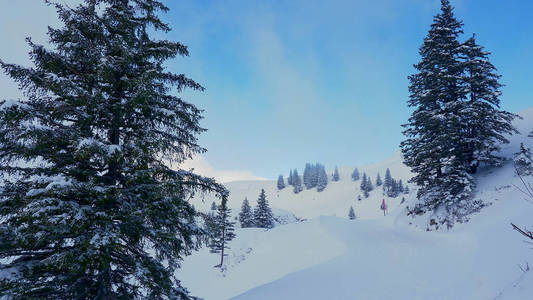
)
(223, 231)
(92, 210)
(351, 213)
(296, 182)
(455, 88)
(336, 176)
(281, 182)
(263, 217)
(290, 179)
(369, 185)
(379, 182)
(364, 185)
(484, 124)
(322, 178)
(387, 184)
(355, 175)
(307, 176)
(246, 215)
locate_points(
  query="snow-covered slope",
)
(375, 257)
(335, 200)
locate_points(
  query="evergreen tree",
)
(322, 178)
(336, 176)
(355, 175)
(224, 231)
(378, 180)
(213, 206)
(351, 214)
(99, 113)
(523, 161)
(406, 189)
(315, 170)
(485, 125)
(281, 182)
(369, 185)
(290, 180)
(307, 176)
(364, 185)
(246, 216)
(443, 141)
(297, 182)
(388, 181)
(263, 217)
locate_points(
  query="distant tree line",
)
(391, 187)
(314, 176)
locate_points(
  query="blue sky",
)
(290, 82)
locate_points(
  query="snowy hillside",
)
(374, 257)
(335, 200)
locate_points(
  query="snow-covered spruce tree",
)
(314, 174)
(322, 178)
(213, 206)
(223, 231)
(336, 176)
(364, 185)
(307, 176)
(351, 214)
(92, 210)
(311, 174)
(388, 181)
(297, 182)
(281, 182)
(290, 178)
(369, 185)
(484, 124)
(263, 217)
(379, 182)
(355, 175)
(434, 132)
(523, 161)
(246, 215)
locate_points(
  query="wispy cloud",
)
(202, 167)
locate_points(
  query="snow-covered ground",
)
(335, 200)
(327, 256)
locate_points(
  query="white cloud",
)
(202, 167)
